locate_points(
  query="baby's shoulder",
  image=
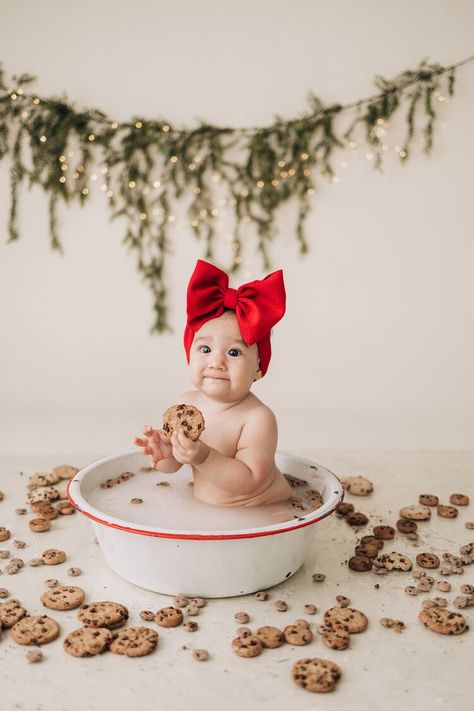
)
(257, 411)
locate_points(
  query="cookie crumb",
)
(181, 601)
(35, 655)
(51, 583)
(318, 577)
(242, 617)
(199, 602)
(147, 615)
(74, 572)
(136, 501)
(261, 595)
(280, 605)
(12, 568)
(310, 609)
(18, 544)
(201, 655)
(190, 626)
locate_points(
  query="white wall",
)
(377, 345)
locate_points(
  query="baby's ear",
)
(258, 375)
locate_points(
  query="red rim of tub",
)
(206, 536)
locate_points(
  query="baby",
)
(227, 343)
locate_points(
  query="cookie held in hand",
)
(184, 417)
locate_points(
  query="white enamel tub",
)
(214, 563)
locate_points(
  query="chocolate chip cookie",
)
(358, 485)
(428, 560)
(443, 621)
(415, 512)
(459, 499)
(53, 556)
(297, 634)
(64, 597)
(37, 629)
(270, 637)
(247, 647)
(10, 612)
(169, 617)
(447, 511)
(103, 614)
(88, 641)
(394, 561)
(134, 641)
(184, 417)
(317, 675)
(335, 638)
(348, 618)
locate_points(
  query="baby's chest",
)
(222, 433)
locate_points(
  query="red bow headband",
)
(258, 306)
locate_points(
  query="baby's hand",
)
(185, 451)
(156, 443)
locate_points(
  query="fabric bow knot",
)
(258, 306)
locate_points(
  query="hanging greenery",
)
(145, 166)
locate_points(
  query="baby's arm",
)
(252, 469)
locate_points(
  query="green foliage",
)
(148, 165)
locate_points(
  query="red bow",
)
(258, 306)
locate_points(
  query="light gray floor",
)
(381, 669)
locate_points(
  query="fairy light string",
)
(146, 167)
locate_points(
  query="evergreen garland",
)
(148, 164)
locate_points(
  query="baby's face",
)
(222, 366)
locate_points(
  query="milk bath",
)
(174, 506)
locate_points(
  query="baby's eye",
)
(205, 349)
(234, 352)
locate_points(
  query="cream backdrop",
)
(377, 346)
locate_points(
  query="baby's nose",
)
(218, 360)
